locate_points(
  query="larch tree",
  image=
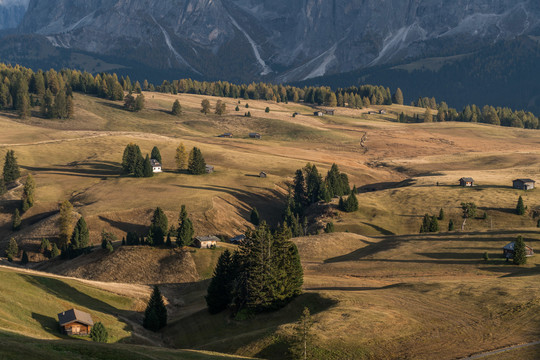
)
(205, 106)
(28, 193)
(220, 107)
(398, 97)
(181, 157)
(65, 222)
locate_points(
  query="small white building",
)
(205, 242)
(209, 169)
(156, 166)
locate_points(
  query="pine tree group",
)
(134, 163)
(196, 163)
(155, 315)
(265, 274)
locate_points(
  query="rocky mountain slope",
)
(276, 40)
(12, 12)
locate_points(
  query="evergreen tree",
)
(181, 157)
(147, 168)
(54, 251)
(427, 115)
(451, 225)
(65, 223)
(329, 228)
(300, 197)
(3, 188)
(155, 154)
(351, 204)
(129, 102)
(520, 208)
(24, 259)
(254, 217)
(131, 160)
(159, 226)
(139, 103)
(314, 184)
(80, 237)
(99, 333)
(426, 222)
(176, 108)
(12, 249)
(441, 215)
(469, 210)
(433, 224)
(205, 106)
(303, 341)
(155, 315)
(28, 193)
(486, 256)
(520, 254)
(185, 229)
(219, 293)
(267, 110)
(11, 168)
(16, 222)
(196, 163)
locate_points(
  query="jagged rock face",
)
(11, 13)
(286, 40)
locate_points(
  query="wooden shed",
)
(523, 184)
(75, 322)
(508, 250)
(466, 181)
(255, 135)
(205, 242)
(330, 112)
(318, 113)
(262, 174)
(209, 169)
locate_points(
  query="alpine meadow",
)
(245, 179)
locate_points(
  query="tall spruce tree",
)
(196, 164)
(99, 333)
(301, 348)
(426, 222)
(219, 293)
(80, 237)
(11, 168)
(159, 226)
(28, 193)
(299, 186)
(147, 167)
(65, 223)
(185, 229)
(520, 207)
(16, 221)
(155, 315)
(433, 224)
(155, 154)
(520, 253)
(12, 249)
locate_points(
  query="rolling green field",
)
(377, 288)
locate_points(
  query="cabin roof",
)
(525, 180)
(207, 238)
(75, 315)
(467, 179)
(154, 162)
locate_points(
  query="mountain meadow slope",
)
(376, 287)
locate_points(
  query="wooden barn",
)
(466, 181)
(318, 113)
(205, 242)
(508, 250)
(75, 322)
(523, 184)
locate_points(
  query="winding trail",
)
(499, 351)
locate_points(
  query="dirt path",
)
(494, 352)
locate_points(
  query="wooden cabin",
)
(75, 322)
(523, 184)
(318, 113)
(262, 174)
(205, 242)
(466, 181)
(255, 135)
(508, 250)
(156, 166)
(330, 112)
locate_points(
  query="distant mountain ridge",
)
(271, 40)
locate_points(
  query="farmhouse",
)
(508, 250)
(523, 184)
(237, 239)
(209, 169)
(226, 135)
(75, 322)
(466, 181)
(262, 174)
(318, 113)
(255, 135)
(156, 166)
(205, 242)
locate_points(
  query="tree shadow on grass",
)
(96, 169)
(112, 105)
(49, 324)
(382, 230)
(511, 270)
(125, 226)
